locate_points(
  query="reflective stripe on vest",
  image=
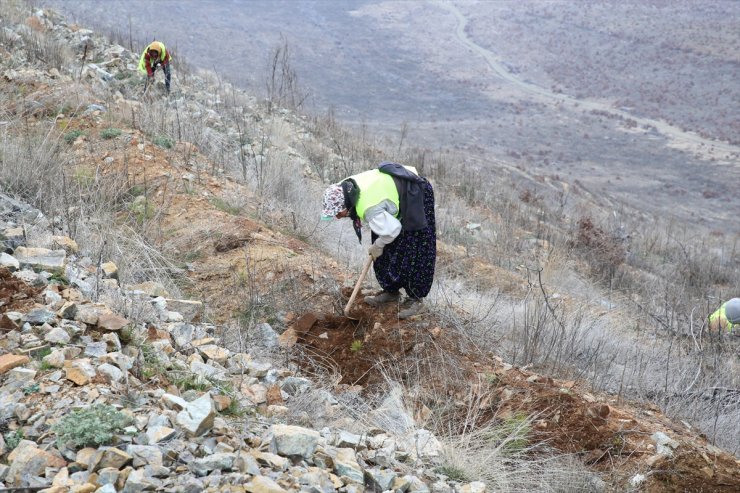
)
(375, 187)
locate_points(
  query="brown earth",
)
(15, 295)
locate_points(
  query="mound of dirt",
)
(610, 435)
(15, 295)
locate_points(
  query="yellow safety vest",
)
(718, 320)
(374, 188)
(162, 54)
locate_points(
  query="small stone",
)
(221, 402)
(66, 243)
(10, 361)
(57, 335)
(40, 316)
(110, 457)
(111, 321)
(96, 349)
(158, 434)
(28, 459)
(215, 353)
(198, 416)
(262, 484)
(110, 270)
(79, 371)
(110, 373)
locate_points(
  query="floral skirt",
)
(408, 262)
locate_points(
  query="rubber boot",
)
(382, 298)
(412, 306)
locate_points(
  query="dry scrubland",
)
(409, 70)
(660, 60)
(547, 281)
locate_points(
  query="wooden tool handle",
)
(365, 268)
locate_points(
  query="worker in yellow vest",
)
(156, 55)
(398, 206)
(726, 317)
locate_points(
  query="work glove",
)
(375, 251)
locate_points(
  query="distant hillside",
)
(403, 68)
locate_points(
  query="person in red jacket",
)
(156, 55)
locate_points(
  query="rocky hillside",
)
(168, 323)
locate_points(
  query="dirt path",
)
(680, 138)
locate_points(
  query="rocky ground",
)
(110, 386)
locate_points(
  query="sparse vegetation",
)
(222, 205)
(13, 438)
(163, 141)
(72, 135)
(110, 133)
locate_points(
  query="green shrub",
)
(151, 365)
(512, 434)
(31, 389)
(192, 381)
(164, 142)
(93, 426)
(42, 353)
(71, 136)
(110, 133)
(235, 409)
(453, 473)
(222, 205)
(13, 438)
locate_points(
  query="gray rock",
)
(379, 480)
(96, 349)
(184, 334)
(111, 373)
(110, 457)
(157, 434)
(57, 335)
(41, 258)
(173, 402)
(9, 262)
(263, 484)
(40, 316)
(55, 358)
(138, 481)
(108, 475)
(414, 485)
(122, 361)
(290, 441)
(345, 464)
(664, 445)
(295, 385)
(189, 309)
(264, 335)
(213, 462)
(345, 439)
(197, 416)
(145, 455)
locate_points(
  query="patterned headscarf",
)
(333, 202)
